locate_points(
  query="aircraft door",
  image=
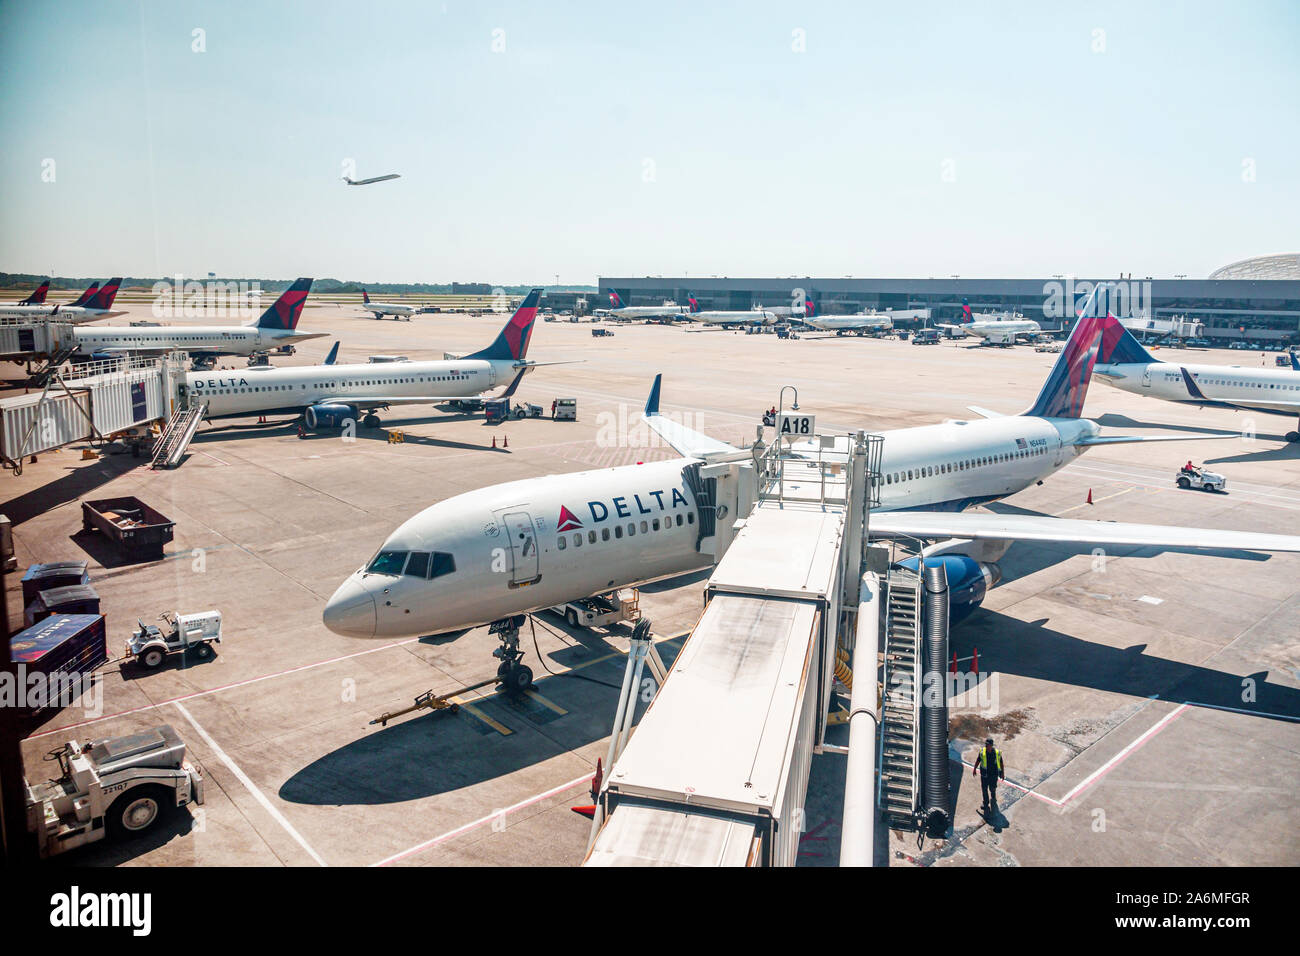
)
(523, 548)
(1146, 377)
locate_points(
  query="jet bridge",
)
(717, 771)
(94, 401)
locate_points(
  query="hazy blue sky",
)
(647, 138)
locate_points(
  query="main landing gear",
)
(371, 420)
(515, 677)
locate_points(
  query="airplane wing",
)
(985, 412)
(1132, 439)
(935, 525)
(372, 179)
(684, 440)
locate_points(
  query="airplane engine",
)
(320, 417)
(968, 581)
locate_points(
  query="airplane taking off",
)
(1001, 328)
(732, 318)
(330, 396)
(373, 179)
(277, 327)
(1126, 364)
(505, 550)
(95, 303)
(618, 310)
(381, 309)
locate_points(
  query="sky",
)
(577, 140)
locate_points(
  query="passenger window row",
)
(948, 468)
(646, 527)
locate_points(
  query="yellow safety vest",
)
(984, 758)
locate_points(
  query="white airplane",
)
(330, 396)
(381, 309)
(863, 323)
(95, 303)
(730, 318)
(489, 555)
(276, 327)
(373, 179)
(618, 310)
(995, 328)
(1125, 364)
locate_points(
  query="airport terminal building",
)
(1263, 305)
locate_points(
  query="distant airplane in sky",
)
(373, 179)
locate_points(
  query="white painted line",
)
(250, 786)
(1114, 761)
(585, 778)
(1148, 599)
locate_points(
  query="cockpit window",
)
(418, 565)
(441, 563)
(387, 562)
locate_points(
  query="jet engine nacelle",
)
(968, 581)
(320, 417)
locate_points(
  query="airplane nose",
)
(351, 611)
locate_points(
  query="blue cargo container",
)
(53, 574)
(64, 648)
(77, 599)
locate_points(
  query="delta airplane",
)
(863, 323)
(730, 319)
(381, 309)
(37, 297)
(95, 303)
(277, 327)
(1127, 365)
(514, 548)
(329, 396)
(618, 310)
(995, 328)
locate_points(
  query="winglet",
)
(1295, 360)
(334, 354)
(652, 403)
(1192, 388)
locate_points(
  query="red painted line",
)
(475, 824)
(215, 690)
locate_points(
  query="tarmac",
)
(1147, 703)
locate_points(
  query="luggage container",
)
(65, 649)
(74, 599)
(139, 530)
(53, 574)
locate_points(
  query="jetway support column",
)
(858, 830)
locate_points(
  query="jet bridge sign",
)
(796, 426)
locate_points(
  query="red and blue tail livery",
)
(103, 299)
(966, 315)
(614, 301)
(512, 341)
(85, 297)
(284, 311)
(1066, 388)
(37, 297)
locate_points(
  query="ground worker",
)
(989, 766)
(553, 403)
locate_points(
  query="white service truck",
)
(115, 787)
(602, 610)
(150, 645)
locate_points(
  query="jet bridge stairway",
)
(45, 374)
(178, 434)
(900, 729)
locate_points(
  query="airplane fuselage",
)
(1259, 389)
(290, 390)
(197, 339)
(851, 323)
(754, 317)
(536, 543)
(1002, 332)
(76, 314)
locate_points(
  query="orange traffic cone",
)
(596, 778)
(1089, 496)
(505, 441)
(494, 441)
(589, 811)
(975, 661)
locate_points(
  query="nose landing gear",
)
(515, 677)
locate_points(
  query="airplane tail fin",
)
(966, 316)
(103, 299)
(365, 297)
(1119, 346)
(333, 356)
(512, 341)
(37, 297)
(85, 297)
(284, 311)
(692, 304)
(615, 301)
(1063, 393)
